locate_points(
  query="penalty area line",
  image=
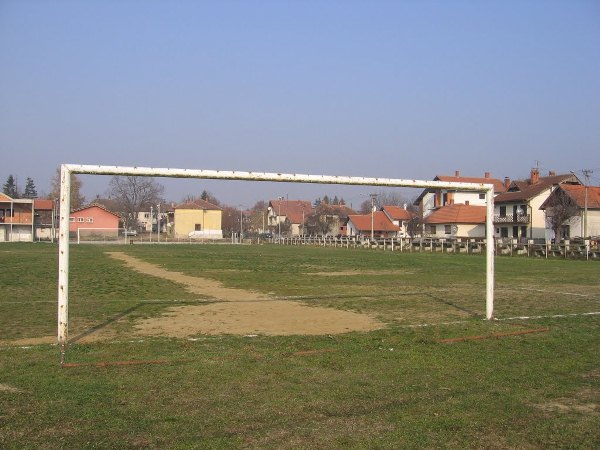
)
(553, 316)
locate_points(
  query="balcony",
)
(512, 218)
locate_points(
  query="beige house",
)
(456, 221)
(198, 219)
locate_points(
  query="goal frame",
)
(67, 170)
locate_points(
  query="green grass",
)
(398, 387)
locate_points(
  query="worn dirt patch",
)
(8, 388)
(29, 341)
(237, 311)
(584, 401)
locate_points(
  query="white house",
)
(586, 202)
(400, 217)
(294, 212)
(434, 198)
(517, 212)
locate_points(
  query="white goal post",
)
(65, 195)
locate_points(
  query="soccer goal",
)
(65, 193)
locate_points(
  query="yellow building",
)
(198, 219)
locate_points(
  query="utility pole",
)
(158, 223)
(586, 174)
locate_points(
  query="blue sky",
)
(397, 89)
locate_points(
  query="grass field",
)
(400, 386)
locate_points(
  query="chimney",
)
(535, 176)
(457, 173)
(486, 175)
(551, 173)
(506, 182)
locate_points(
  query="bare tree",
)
(77, 200)
(559, 209)
(256, 219)
(134, 194)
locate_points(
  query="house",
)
(329, 219)
(16, 219)
(517, 212)
(154, 217)
(581, 206)
(197, 219)
(293, 212)
(433, 198)
(45, 218)
(27, 220)
(376, 224)
(456, 221)
(93, 217)
(400, 217)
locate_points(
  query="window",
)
(448, 229)
(80, 219)
(90, 220)
(71, 219)
(504, 232)
(198, 227)
(503, 212)
(481, 196)
(432, 229)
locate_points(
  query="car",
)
(129, 233)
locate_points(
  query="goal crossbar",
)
(65, 195)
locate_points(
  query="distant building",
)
(517, 212)
(94, 216)
(198, 219)
(582, 224)
(378, 223)
(400, 217)
(294, 212)
(434, 198)
(456, 221)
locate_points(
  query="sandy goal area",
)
(237, 311)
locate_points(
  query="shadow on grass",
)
(453, 305)
(106, 323)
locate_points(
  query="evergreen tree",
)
(30, 191)
(10, 187)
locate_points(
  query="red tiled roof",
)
(362, 222)
(577, 193)
(43, 204)
(198, 204)
(292, 209)
(521, 191)
(457, 213)
(398, 213)
(95, 205)
(498, 184)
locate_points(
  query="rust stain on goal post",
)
(65, 193)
